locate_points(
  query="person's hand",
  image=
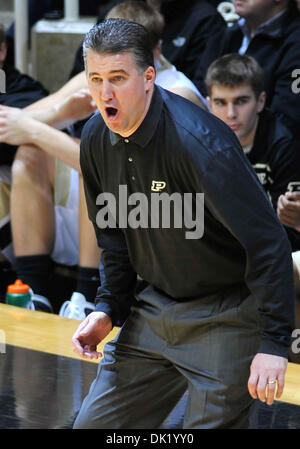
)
(90, 333)
(77, 106)
(267, 375)
(288, 209)
(15, 126)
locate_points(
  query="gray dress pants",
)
(204, 346)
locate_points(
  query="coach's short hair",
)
(233, 70)
(112, 36)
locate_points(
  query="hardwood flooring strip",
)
(41, 331)
(52, 334)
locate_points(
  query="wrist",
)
(57, 113)
(103, 318)
(32, 130)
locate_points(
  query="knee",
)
(28, 166)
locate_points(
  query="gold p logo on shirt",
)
(157, 186)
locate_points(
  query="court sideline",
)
(43, 382)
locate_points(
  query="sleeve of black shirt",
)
(236, 198)
(115, 296)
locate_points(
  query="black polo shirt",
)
(183, 149)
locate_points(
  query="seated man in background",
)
(188, 27)
(45, 179)
(236, 95)
(34, 260)
(269, 31)
(20, 91)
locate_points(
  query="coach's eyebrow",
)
(112, 72)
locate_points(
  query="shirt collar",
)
(145, 131)
(269, 26)
(248, 148)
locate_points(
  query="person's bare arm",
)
(47, 110)
(189, 95)
(78, 106)
(73, 85)
(16, 128)
(65, 110)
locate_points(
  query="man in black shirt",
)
(219, 294)
(236, 95)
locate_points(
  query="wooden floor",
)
(43, 382)
(41, 331)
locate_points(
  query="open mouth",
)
(111, 112)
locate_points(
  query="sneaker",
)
(40, 303)
(77, 308)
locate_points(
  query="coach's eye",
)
(95, 80)
(118, 78)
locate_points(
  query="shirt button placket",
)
(130, 159)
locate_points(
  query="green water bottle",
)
(18, 294)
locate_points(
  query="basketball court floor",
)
(43, 382)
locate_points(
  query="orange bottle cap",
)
(18, 287)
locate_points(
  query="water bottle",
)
(18, 294)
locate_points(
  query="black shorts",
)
(7, 153)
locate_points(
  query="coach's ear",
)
(149, 76)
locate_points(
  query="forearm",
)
(118, 279)
(56, 143)
(272, 290)
(72, 86)
(48, 115)
(47, 110)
